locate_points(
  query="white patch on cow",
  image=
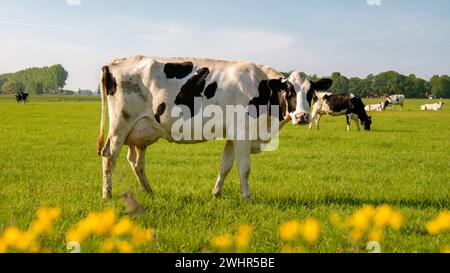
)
(301, 85)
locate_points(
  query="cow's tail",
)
(101, 137)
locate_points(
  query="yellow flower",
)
(24, 242)
(311, 231)
(11, 235)
(396, 220)
(243, 235)
(124, 247)
(41, 225)
(361, 218)
(356, 235)
(376, 235)
(124, 226)
(382, 215)
(142, 236)
(290, 230)
(3, 246)
(222, 242)
(440, 224)
(107, 246)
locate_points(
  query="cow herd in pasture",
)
(150, 98)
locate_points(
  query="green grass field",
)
(48, 159)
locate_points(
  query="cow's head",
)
(299, 95)
(367, 123)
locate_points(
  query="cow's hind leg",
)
(109, 164)
(242, 150)
(225, 167)
(348, 122)
(136, 157)
(318, 122)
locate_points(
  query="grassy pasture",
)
(48, 159)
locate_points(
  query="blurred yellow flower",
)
(124, 247)
(382, 215)
(141, 236)
(361, 218)
(243, 235)
(290, 230)
(356, 235)
(396, 220)
(376, 235)
(223, 242)
(124, 226)
(311, 231)
(11, 235)
(107, 246)
(446, 249)
(440, 224)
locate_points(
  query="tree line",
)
(390, 83)
(44, 80)
(51, 80)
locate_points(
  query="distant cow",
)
(435, 106)
(395, 100)
(22, 96)
(374, 107)
(338, 105)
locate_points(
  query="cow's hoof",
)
(246, 198)
(217, 195)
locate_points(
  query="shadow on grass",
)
(285, 202)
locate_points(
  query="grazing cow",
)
(395, 100)
(22, 96)
(144, 96)
(338, 105)
(435, 106)
(374, 107)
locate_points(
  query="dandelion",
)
(223, 242)
(440, 224)
(361, 218)
(376, 235)
(243, 235)
(311, 231)
(124, 247)
(290, 230)
(124, 226)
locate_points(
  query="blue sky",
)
(315, 36)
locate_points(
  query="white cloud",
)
(73, 2)
(374, 2)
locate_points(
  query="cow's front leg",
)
(318, 121)
(242, 150)
(108, 168)
(136, 157)
(348, 122)
(355, 118)
(225, 167)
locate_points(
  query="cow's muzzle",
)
(300, 118)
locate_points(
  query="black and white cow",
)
(395, 100)
(434, 106)
(143, 93)
(22, 96)
(341, 104)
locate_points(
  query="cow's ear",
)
(321, 85)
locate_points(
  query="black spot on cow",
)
(108, 81)
(130, 87)
(210, 90)
(192, 88)
(126, 115)
(160, 111)
(178, 70)
(320, 85)
(270, 95)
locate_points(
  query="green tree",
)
(12, 87)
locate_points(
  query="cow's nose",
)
(304, 118)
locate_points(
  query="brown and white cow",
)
(145, 94)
